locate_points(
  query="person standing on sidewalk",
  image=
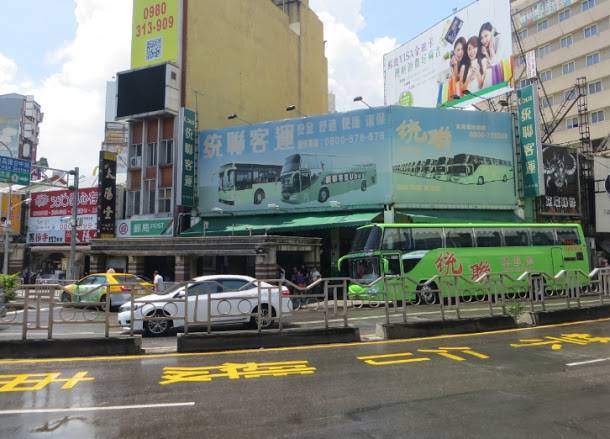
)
(157, 281)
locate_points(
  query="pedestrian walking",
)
(157, 281)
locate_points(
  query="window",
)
(547, 102)
(597, 116)
(488, 238)
(521, 60)
(409, 264)
(515, 237)
(586, 5)
(233, 284)
(396, 239)
(591, 31)
(522, 34)
(570, 94)
(166, 152)
(593, 59)
(572, 122)
(547, 75)
(209, 287)
(165, 199)
(543, 237)
(151, 154)
(525, 82)
(135, 150)
(149, 199)
(542, 25)
(133, 203)
(567, 237)
(566, 41)
(564, 15)
(427, 239)
(544, 50)
(595, 87)
(393, 265)
(568, 67)
(458, 237)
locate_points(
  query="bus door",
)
(390, 266)
(557, 258)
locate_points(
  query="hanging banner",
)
(529, 141)
(561, 185)
(106, 210)
(189, 142)
(601, 171)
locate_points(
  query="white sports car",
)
(234, 299)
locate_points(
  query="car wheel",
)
(102, 305)
(323, 195)
(266, 317)
(363, 186)
(157, 327)
(504, 178)
(481, 180)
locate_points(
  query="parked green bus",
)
(419, 252)
(474, 169)
(242, 184)
(309, 177)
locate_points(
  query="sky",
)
(64, 51)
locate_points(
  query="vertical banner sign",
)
(530, 65)
(155, 32)
(106, 208)
(561, 184)
(189, 130)
(530, 145)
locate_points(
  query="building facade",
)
(20, 119)
(570, 39)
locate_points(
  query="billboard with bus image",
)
(412, 157)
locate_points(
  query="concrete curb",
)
(439, 327)
(235, 340)
(70, 347)
(567, 315)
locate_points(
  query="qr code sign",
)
(153, 48)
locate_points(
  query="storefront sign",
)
(14, 211)
(530, 144)
(189, 143)
(15, 171)
(436, 69)
(106, 212)
(412, 157)
(539, 10)
(155, 32)
(146, 228)
(561, 183)
(59, 203)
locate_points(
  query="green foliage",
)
(9, 283)
(515, 308)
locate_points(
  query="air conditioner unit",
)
(135, 162)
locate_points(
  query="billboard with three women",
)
(458, 61)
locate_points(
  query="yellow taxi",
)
(95, 287)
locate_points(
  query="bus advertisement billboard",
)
(413, 157)
(458, 61)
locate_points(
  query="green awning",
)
(243, 225)
(462, 216)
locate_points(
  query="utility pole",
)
(73, 223)
(7, 226)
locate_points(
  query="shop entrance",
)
(165, 265)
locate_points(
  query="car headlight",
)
(127, 307)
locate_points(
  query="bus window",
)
(488, 238)
(393, 265)
(567, 236)
(427, 239)
(543, 237)
(396, 239)
(243, 180)
(458, 237)
(366, 239)
(515, 237)
(409, 264)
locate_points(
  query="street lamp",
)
(72, 267)
(7, 227)
(360, 99)
(235, 116)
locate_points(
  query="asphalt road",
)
(500, 385)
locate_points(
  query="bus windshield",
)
(227, 179)
(366, 239)
(364, 269)
(292, 163)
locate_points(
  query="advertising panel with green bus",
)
(459, 253)
(411, 157)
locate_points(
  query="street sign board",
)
(529, 139)
(15, 171)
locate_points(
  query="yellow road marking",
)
(292, 348)
(28, 382)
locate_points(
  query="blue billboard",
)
(412, 157)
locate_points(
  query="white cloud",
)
(355, 67)
(73, 98)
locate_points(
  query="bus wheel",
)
(363, 186)
(259, 196)
(323, 195)
(504, 178)
(481, 180)
(428, 294)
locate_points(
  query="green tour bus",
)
(416, 253)
(474, 169)
(243, 184)
(309, 177)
